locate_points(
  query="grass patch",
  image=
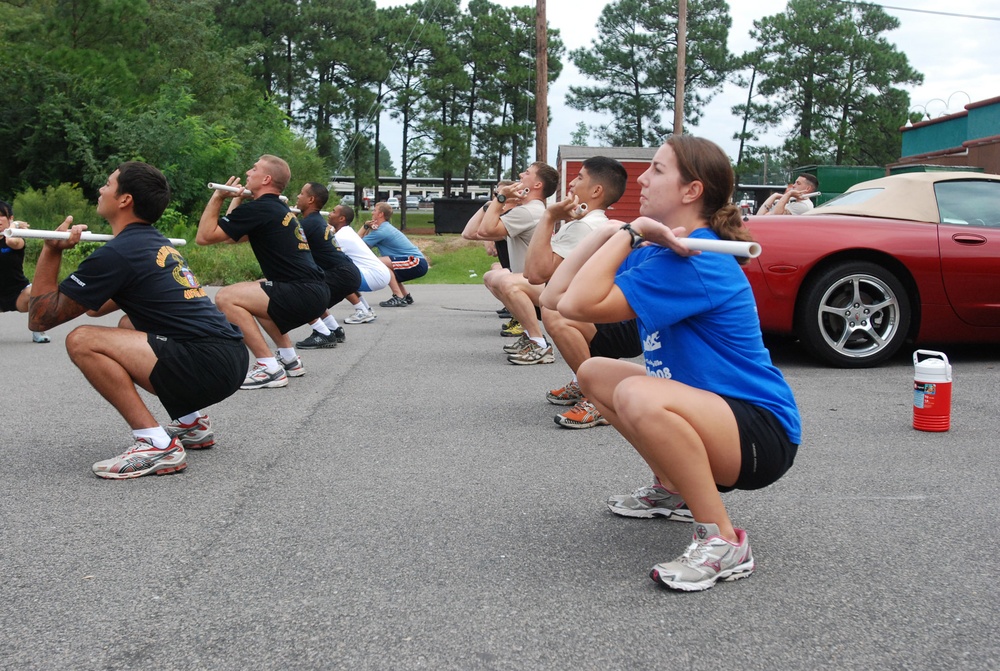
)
(452, 259)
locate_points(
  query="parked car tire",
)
(854, 315)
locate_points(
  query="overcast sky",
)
(958, 55)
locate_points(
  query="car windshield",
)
(852, 198)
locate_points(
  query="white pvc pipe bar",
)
(734, 247)
(86, 236)
(243, 193)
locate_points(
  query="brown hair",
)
(278, 169)
(704, 161)
(386, 210)
(549, 177)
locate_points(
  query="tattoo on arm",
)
(51, 309)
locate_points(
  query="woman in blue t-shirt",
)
(708, 412)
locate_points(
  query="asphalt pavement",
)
(410, 504)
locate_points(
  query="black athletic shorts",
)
(619, 340)
(342, 283)
(8, 301)
(193, 374)
(293, 304)
(767, 452)
(503, 255)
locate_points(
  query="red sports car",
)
(910, 257)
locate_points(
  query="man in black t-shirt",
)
(173, 342)
(294, 291)
(342, 276)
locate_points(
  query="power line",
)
(922, 11)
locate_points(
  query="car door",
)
(969, 240)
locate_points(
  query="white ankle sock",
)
(156, 435)
(189, 419)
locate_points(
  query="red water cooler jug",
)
(931, 391)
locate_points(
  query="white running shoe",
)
(708, 559)
(292, 368)
(648, 502)
(361, 316)
(143, 459)
(260, 378)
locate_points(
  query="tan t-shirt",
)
(520, 224)
(572, 232)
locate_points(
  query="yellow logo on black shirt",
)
(181, 273)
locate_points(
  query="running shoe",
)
(567, 395)
(40, 337)
(649, 502)
(195, 436)
(339, 335)
(583, 415)
(292, 368)
(409, 299)
(260, 378)
(707, 560)
(317, 341)
(503, 313)
(394, 302)
(361, 316)
(143, 459)
(512, 329)
(531, 354)
(517, 345)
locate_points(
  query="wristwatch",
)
(501, 198)
(637, 238)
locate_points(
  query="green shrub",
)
(220, 265)
(47, 208)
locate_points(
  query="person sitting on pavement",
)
(517, 226)
(172, 342)
(375, 275)
(342, 276)
(14, 286)
(403, 259)
(795, 199)
(709, 411)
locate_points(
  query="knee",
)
(631, 400)
(553, 321)
(79, 342)
(223, 298)
(588, 373)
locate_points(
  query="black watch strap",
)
(637, 238)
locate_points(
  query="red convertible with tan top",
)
(913, 257)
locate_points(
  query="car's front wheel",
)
(854, 315)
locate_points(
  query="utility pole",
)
(541, 83)
(681, 67)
